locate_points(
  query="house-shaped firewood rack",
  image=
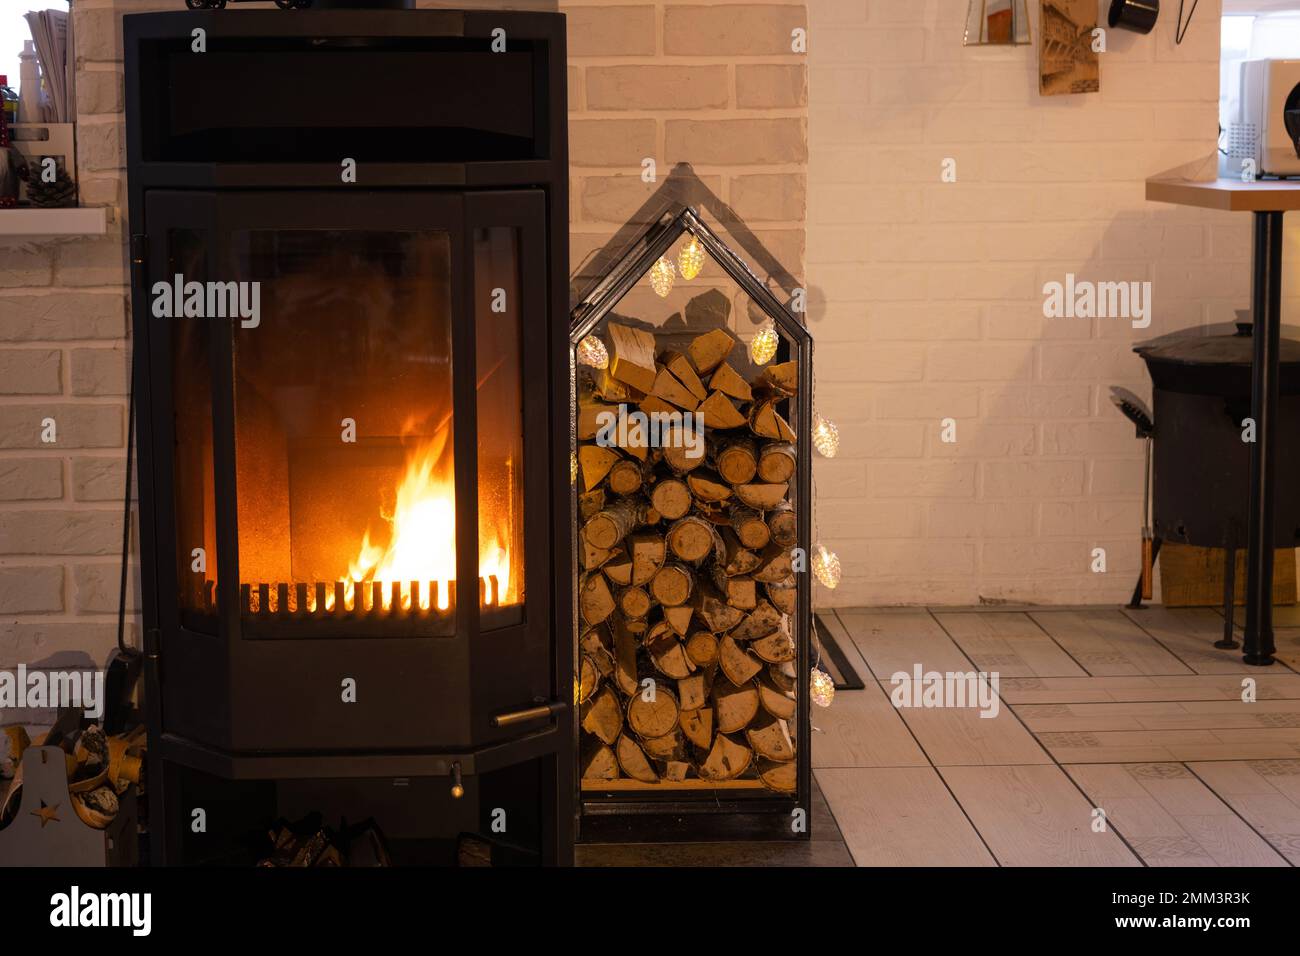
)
(692, 599)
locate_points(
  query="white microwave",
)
(1269, 90)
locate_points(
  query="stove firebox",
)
(349, 247)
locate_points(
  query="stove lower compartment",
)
(429, 810)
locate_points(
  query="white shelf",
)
(77, 221)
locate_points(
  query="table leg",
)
(1266, 309)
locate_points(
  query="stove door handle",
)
(525, 715)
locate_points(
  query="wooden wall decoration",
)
(1067, 62)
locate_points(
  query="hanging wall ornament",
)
(690, 260)
(762, 347)
(1068, 61)
(661, 277)
(997, 23)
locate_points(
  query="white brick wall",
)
(927, 297)
(714, 84)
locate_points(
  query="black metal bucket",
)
(1137, 15)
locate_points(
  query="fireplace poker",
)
(1136, 411)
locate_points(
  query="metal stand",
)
(1266, 308)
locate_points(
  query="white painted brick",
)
(1000, 281)
(897, 86)
(1106, 439)
(61, 532)
(979, 439)
(977, 203)
(1024, 321)
(922, 479)
(979, 363)
(914, 559)
(910, 322)
(31, 479)
(1032, 559)
(1032, 480)
(28, 641)
(1036, 401)
(1073, 518)
(98, 478)
(932, 243)
(880, 363)
(929, 402)
(980, 519)
(877, 440)
(30, 371)
(877, 283)
(31, 590)
(871, 520)
(1075, 362)
(97, 589)
(1116, 479)
(840, 478)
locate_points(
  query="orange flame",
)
(422, 543)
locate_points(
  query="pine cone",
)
(61, 192)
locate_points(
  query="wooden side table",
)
(1268, 201)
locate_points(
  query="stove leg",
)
(1229, 640)
(1135, 604)
(1266, 309)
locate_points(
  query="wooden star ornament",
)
(47, 813)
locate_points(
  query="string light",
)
(821, 687)
(661, 277)
(690, 260)
(762, 347)
(826, 566)
(592, 351)
(573, 467)
(825, 437)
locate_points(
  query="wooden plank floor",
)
(1172, 818)
(1135, 713)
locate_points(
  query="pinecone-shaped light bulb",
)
(826, 567)
(762, 347)
(826, 437)
(661, 277)
(592, 352)
(821, 688)
(690, 259)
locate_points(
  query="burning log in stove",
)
(686, 656)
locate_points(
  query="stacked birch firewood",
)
(687, 664)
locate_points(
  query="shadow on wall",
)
(682, 187)
(1023, 463)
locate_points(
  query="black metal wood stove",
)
(349, 240)
(1201, 388)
